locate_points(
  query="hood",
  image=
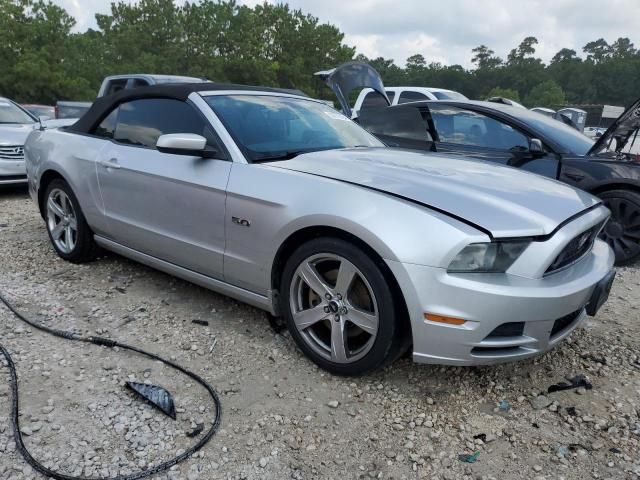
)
(624, 128)
(14, 134)
(502, 200)
(349, 76)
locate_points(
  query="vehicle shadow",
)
(12, 192)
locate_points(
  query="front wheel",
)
(622, 232)
(339, 307)
(68, 231)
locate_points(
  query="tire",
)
(61, 213)
(622, 232)
(324, 310)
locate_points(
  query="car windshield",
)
(269, 127)
(448, 95)
(10, 113)
(569, 138)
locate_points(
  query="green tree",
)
(547, 94)
(525, 49)
(34, 36)
(505, 93)
(416, 61)
(272, 44)
(483, 57)
(564, 55)
(597, 51)
(622, 48)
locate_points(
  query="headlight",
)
(494, 257)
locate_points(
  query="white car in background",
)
(15, 125)
(372, 97)
(369, 98)
(594, 132)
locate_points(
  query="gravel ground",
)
(283, 417)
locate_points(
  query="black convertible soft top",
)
(178, 91)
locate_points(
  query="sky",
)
(447, 31)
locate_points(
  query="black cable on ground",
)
(15, 419)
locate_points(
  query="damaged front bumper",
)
(508, 317)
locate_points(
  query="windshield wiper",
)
(288, 155)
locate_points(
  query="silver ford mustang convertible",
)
(280, 201)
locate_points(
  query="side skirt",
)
(254, 299)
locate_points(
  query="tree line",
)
(44, 60)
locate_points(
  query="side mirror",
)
(44, 118)
(535, 146)
(182, 144)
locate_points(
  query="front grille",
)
(575, 249)
(564, 322)
(12, 152)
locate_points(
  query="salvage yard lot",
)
(282, 416)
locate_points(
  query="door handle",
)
(112, 163)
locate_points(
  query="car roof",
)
(502, 107)
(571, 109)
(428, 89)
(518, 113)
(69, 103)
(179, 78)
(543, 109)
(177, 91)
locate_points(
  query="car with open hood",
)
(282, 202)
(520, 138)
(370, 97)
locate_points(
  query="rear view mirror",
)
(44, 118)
(535, 146)
(182, 144)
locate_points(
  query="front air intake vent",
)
(575, 249)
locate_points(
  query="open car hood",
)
(623, 129)
(349, 76)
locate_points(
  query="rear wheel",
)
(622, 232)
(339, 307)
(68, 231)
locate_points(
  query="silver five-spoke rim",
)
(61, 221)
(334, 308)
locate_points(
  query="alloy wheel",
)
(61, 221)
(334, 308)
(622, 232)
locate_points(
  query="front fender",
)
(596, 175)
(277, 203)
